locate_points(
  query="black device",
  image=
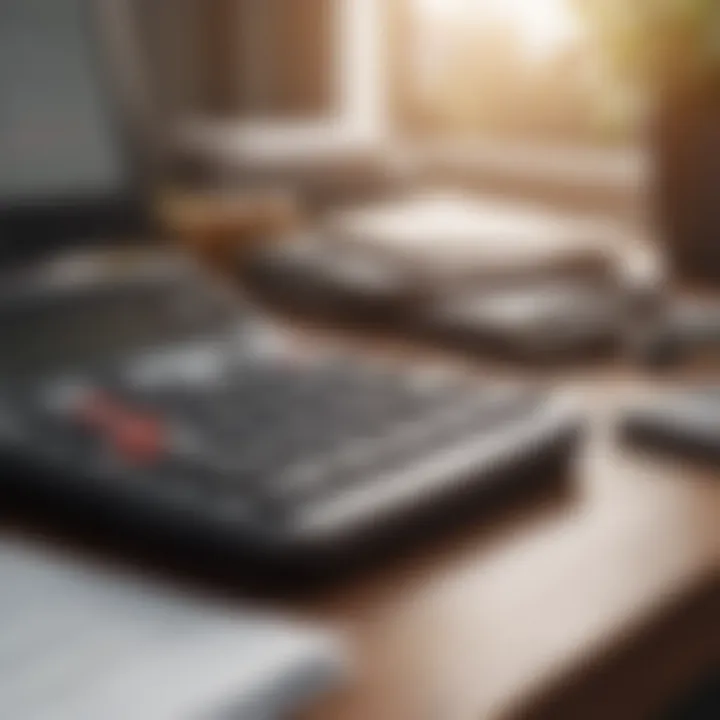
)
(535, 321)
(138, 396)
(683, 422)
(170, 413)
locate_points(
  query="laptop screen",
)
(63, 169)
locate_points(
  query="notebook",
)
(81, 642)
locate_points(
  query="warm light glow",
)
(439, 9)
(544, 24)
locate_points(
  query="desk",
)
(600, 605)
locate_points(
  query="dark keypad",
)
(271, 434)
(278, 422)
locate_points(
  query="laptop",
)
(73, 166)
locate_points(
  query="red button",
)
(138, 439)
(134, 436)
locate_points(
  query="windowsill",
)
(604, 179)
(308, 140)
(617, 167)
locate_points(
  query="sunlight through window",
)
(544, 25)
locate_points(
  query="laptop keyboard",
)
(282, 445)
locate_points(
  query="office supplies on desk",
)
(452, 240)
(474, 272)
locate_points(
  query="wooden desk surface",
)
(594, 604)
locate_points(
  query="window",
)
(510, 67)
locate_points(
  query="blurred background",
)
(538, 177)
(577, 101)
(472, 66)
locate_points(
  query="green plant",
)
(657, 42)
